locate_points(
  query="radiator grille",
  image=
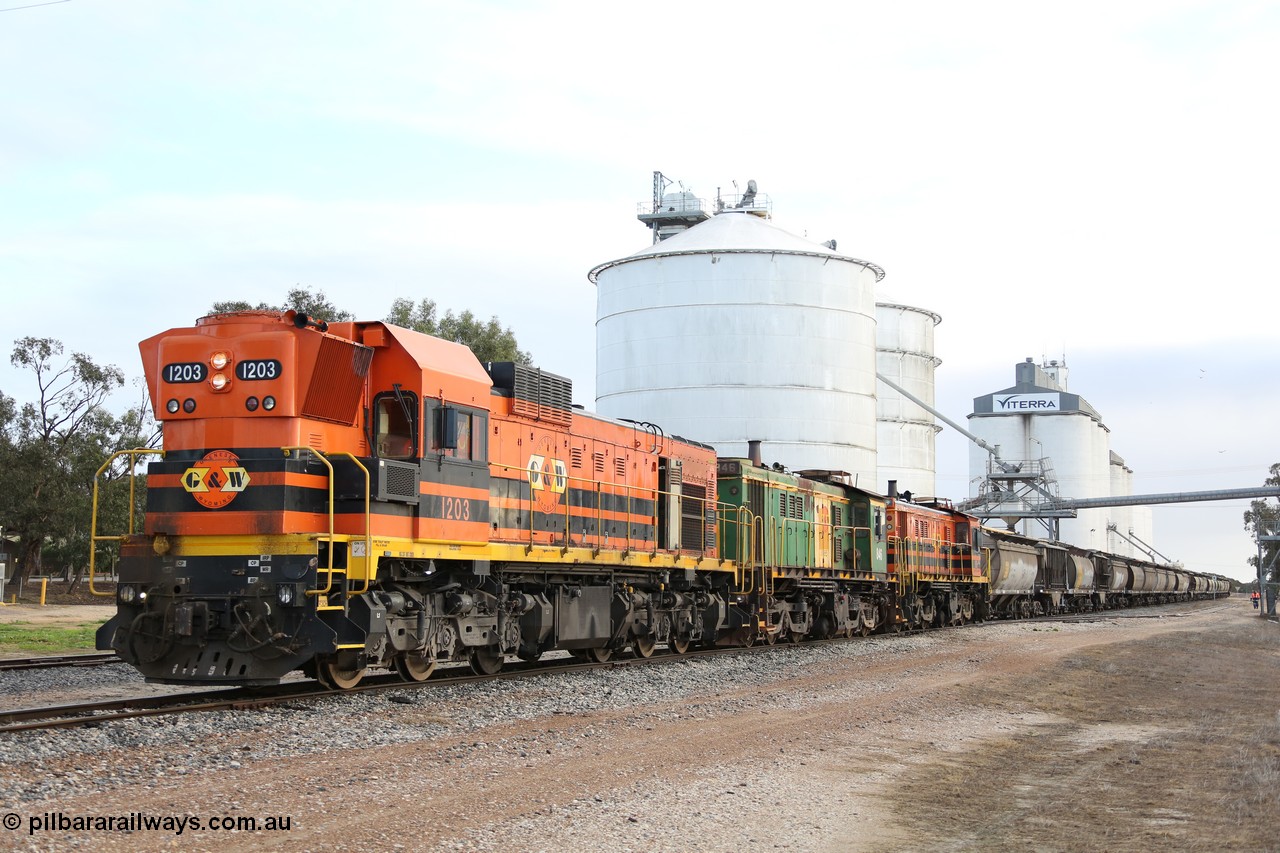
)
(338, 380)
(693, 525)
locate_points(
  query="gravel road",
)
(872, 744)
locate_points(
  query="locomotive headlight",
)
(287, 594)
(251, 404)
(219, 360)
(188, 405)
(172, 406)
(268, 403)
(218, 381)
(127, 593)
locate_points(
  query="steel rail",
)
(51, 661)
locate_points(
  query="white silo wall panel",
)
(906, 328)
(1122, 516)
(1144, 529)
(906, 453)
(727, 348)
(680, 347)
(905, 355)
(1071, 443)
(913, 373)
(1006, 432)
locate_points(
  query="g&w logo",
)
(216, 479)
(548, 477)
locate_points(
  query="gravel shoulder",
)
(1117, 735)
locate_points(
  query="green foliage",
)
(489, 340)
(51, 450)
(1264, 518)
(301, 299)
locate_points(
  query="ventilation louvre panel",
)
(337, 382)
(536, 394)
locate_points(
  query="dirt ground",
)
(1130, 735)
(56, 615)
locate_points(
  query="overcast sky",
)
(1094, 180)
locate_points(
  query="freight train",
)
(334, 498)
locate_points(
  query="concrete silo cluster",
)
(1040, 426)
(731, 330)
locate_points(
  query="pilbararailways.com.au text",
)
(144, 822)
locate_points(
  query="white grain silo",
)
(734, 330)
(905, 432)
(1038, 419)
(1121, 517)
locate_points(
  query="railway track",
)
(252, 698)
(52, 661)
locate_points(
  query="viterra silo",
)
(1038, 419)
(734, 330)
(905, 432)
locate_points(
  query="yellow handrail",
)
(329, 570)
(370, 563)
(94, 538)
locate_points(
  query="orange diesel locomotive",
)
(335, 497)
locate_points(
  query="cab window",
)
(459, 434)
(395, 418)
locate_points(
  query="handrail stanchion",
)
(329, 570)
(94, 538)
(370, 563)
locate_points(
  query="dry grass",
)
(1171, 743)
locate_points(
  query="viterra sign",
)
(1026, 403)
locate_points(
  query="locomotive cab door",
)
(395, 424)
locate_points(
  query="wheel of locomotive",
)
(600, 654)
(916, 617)
(415, 667)
(642, 647)
(678, 645)
(868, 618)
(824, 628)
(771, 635)
(336, 675)
(794, 636)
(486, 661)
(927, 612)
